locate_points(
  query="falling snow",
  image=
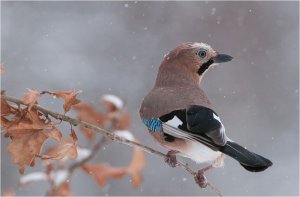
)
(141, 33)
(213, 11)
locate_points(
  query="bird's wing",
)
(203, 125)
(196, 123)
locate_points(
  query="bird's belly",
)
(199, 152)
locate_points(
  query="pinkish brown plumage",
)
(180, 117)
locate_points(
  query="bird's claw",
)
(170, 159)
(200, 179)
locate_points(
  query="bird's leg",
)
(200, 178)
(171, 158)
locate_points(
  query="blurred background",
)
(116, 48)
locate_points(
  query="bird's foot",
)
(200, 179)
(171, 158)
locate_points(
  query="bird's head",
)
(197, 57)
(187, 63)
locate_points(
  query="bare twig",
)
(94, 151)
(105, 133)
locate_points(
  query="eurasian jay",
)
(180, 117)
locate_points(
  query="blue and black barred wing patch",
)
(153, 124)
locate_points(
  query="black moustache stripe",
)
(205, 66)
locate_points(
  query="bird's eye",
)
(202, 53)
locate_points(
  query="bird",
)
(180, 117)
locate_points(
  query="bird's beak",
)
(220, 58)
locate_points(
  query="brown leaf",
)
(124, 121)
(4, 122)
(55, 134)
(136, 166)
(5, 108)
(23, 148)
(103, 172)
(111, 102)
(28, 123)
(28, 134)
(58, 152)
(67, 147)
(31, 97)
(68, 96)
(121, 119)
(109, 107)
(61, 190)
(134, 169)
(88, 113)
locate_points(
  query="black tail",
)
(250, 161)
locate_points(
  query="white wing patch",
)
(218, 119)
(222, 127)
(174, 122)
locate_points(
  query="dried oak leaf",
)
(31, 97)
(61, 190)
(55, 134)
(121, 119)
(136, 166)
(5, 108)
(32, 121)
(67, 147)
(28, 135)
(24, 147)
(86, 112)
(4, 123)
(124, 121)
(68, 96)
(103, 172)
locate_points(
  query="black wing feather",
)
(201, 119)
(200, 124)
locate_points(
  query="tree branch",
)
(105, 133)
(94, 151)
